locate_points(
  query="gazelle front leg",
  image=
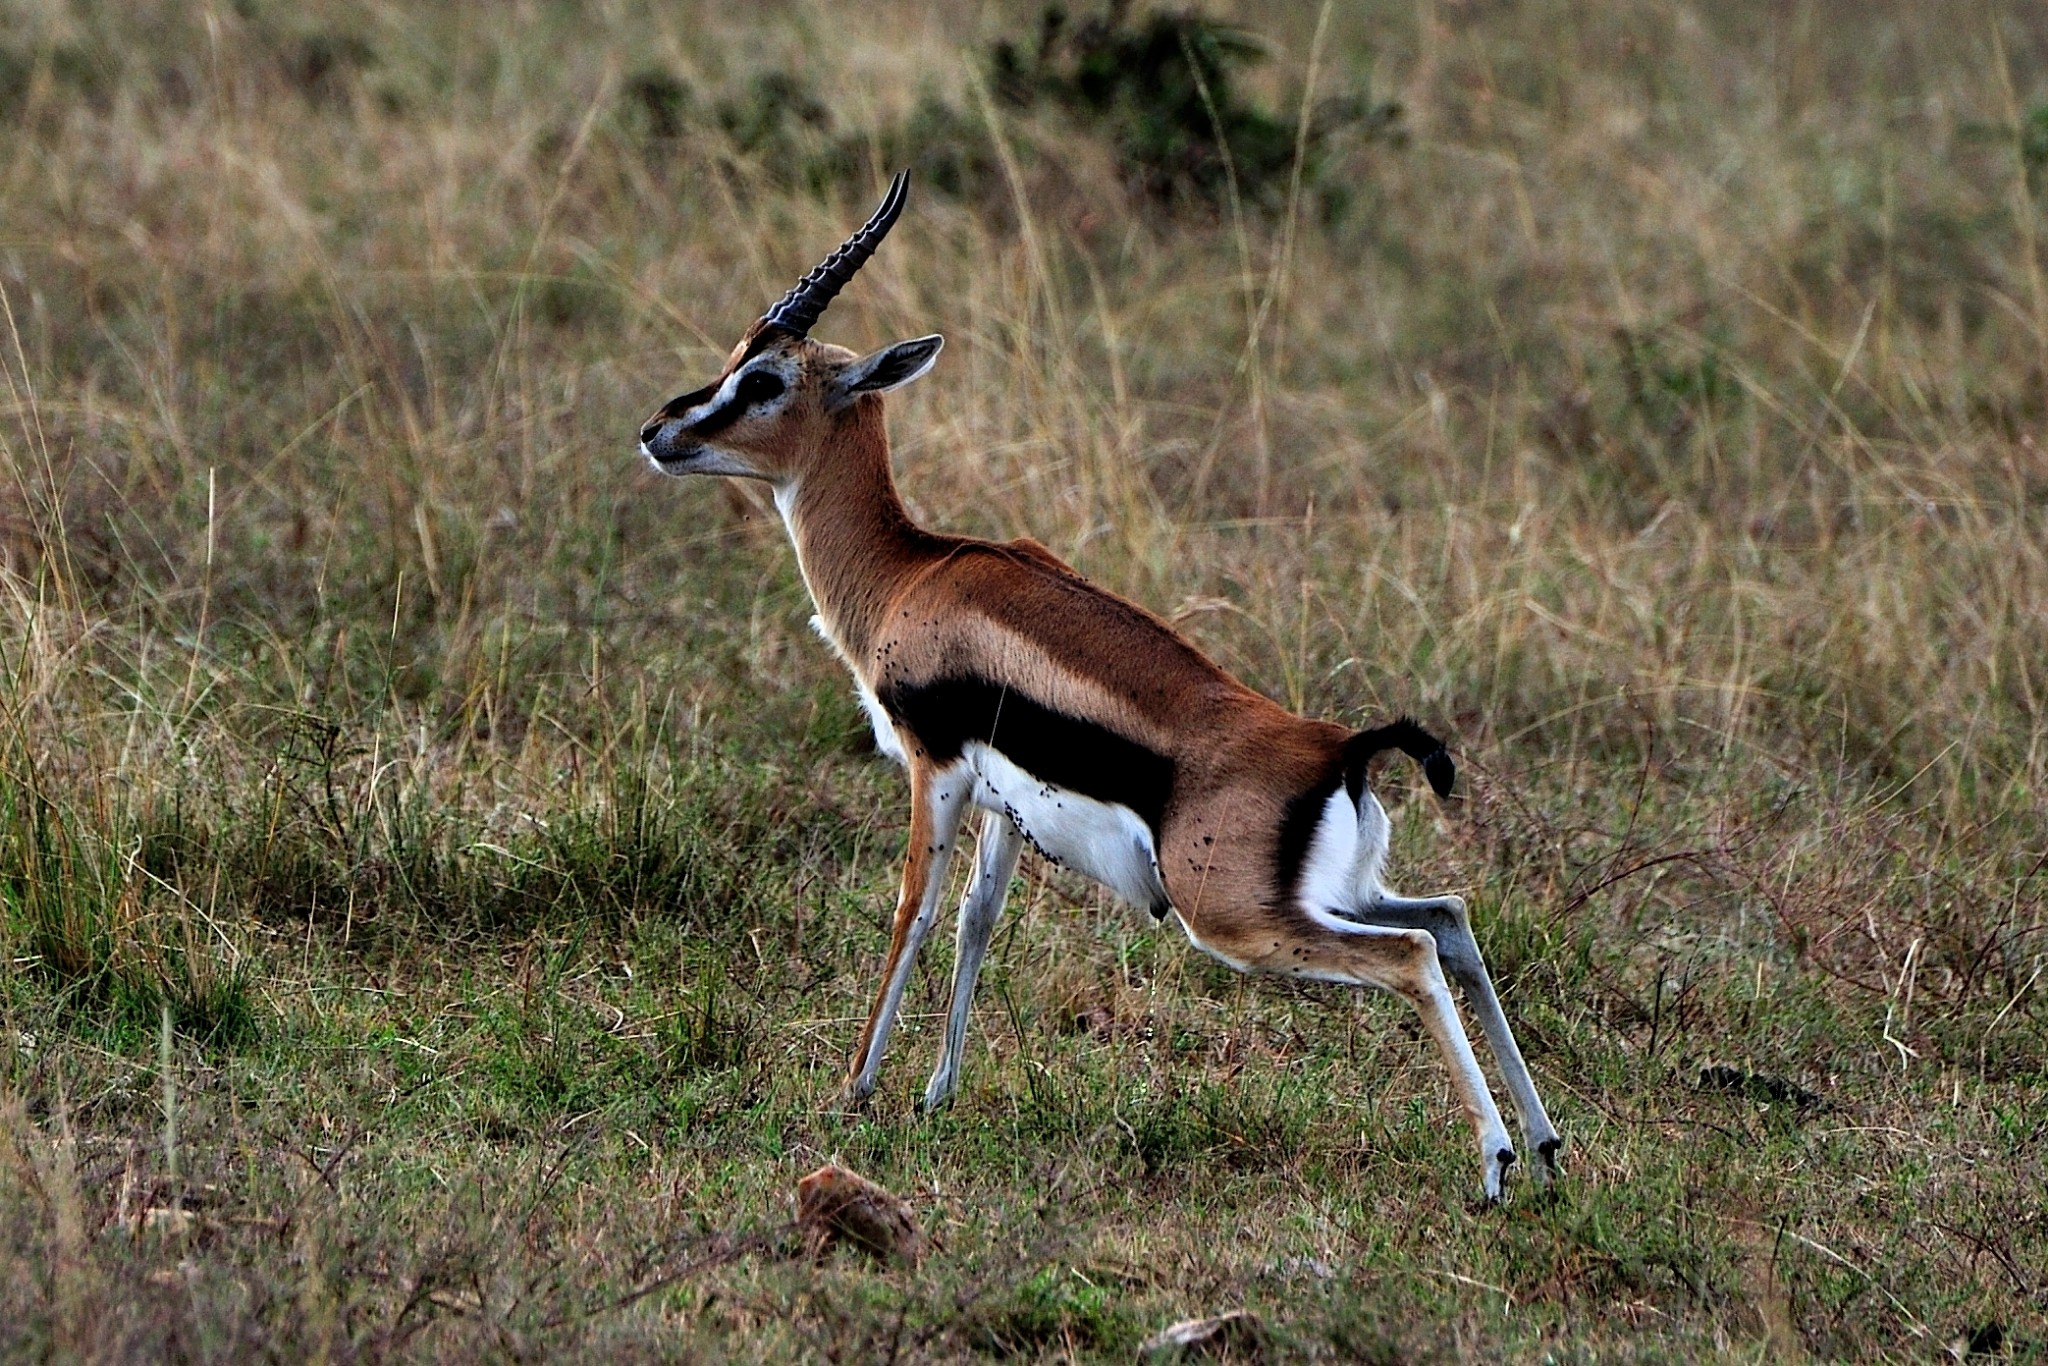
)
(995, 864)
(1445, 919)
(938, 804)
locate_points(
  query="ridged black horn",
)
(798, 310)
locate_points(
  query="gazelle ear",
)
(892, 367)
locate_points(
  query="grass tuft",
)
(1650, 399)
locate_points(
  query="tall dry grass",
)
(1662, 418)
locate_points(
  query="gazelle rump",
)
(1076, 722)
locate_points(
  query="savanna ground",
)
(443, 876)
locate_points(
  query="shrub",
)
(1159, 90)
(1162, 90)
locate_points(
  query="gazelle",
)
(1077, 722)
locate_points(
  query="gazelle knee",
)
(1421, 966)
(1456, 948)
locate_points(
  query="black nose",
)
(650, 431)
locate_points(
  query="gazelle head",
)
(781, 396)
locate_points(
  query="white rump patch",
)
(1104, 840)
(1342, 868)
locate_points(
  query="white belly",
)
(1108, 842)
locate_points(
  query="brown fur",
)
(904, 605)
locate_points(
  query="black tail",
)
(1413, 741)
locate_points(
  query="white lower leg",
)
(1496, 1149)
(1405, 960)
(946, 806)
(1537, 1130)
(1445, 918)
(885, 1019)
(980, 908)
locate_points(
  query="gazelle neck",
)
(855, 542)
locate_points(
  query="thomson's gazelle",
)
(1079, 723)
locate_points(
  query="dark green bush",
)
(2034, 148)
(1159, 89)
(1162, 90)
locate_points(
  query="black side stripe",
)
(1052, 746)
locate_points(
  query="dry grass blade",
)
(1650, 398)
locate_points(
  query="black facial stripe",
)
(682, 403)
(1066, 751)
(719, 418)
(758, 386)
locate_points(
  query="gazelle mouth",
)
(670, 462)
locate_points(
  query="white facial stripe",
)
(715, 402)
(728, 395)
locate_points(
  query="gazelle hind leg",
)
(938, 804)
(1445, 919)
(1397, 960)
(980, 908)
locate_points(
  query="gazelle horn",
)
(798, 310)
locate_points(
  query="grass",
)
(441, 877)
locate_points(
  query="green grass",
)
(1659, 415)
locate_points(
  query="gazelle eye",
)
(759, 387)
